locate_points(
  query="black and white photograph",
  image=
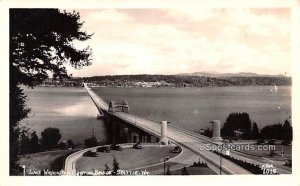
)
(185, 91)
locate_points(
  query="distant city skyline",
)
(173, 41)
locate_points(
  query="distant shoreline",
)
(61, 86)
(170, 81)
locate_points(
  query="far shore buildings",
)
(153, 84)
(129, 84)
(50, 82)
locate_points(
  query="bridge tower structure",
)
(216, 128)
(164, 127)
(118, 106)
(124, 132)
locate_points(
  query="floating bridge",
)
(126, 127)
(131, 128)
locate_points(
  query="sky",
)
(172, 41)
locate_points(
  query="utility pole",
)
(165, 159)
(220, 164)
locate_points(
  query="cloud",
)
(190, 14)
(108, 16)
(262, 31)
(169, 41)
(231, 32)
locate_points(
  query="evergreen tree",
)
(115, 167)
(255, 131)
(287, 131)
(90, 142)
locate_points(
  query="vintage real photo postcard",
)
(149, 91)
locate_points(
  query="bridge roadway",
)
(191, 142)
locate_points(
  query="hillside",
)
(185, 81)
(240, 74)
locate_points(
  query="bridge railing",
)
(100, 103)
(137, 119)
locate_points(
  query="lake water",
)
(73, 112)
(69, 109)
(192, 108)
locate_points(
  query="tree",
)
(255, 131)
(34, 143)
(272, 131)
(50, 138)
(24, 141)
(70, 143)
(62, 145)
(107, 169)
(40, 41)
(184, 171)
(208, 133)
(29, 142)
(17, 112)
(115, 167)
(287, 131)
(278, 131)
(237, 121)
(90, 142)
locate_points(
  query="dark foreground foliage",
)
(40, 41)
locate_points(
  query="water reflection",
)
(69, 109)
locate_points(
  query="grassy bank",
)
(51, 160)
